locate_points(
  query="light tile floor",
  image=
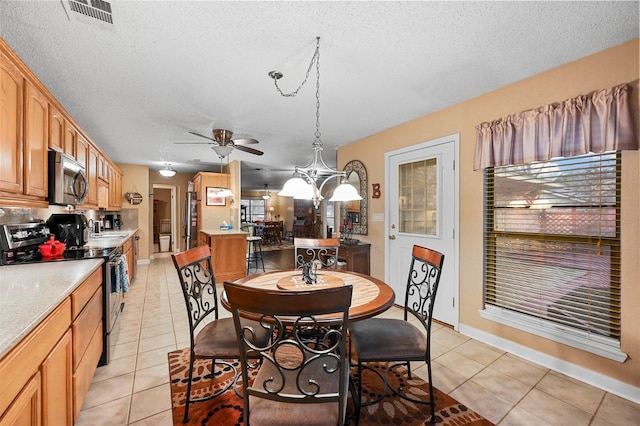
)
(134, 388)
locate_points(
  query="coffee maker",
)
(71, 229)
(114, 220)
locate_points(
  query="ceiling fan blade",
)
(203, 136)
(244, 141)
(194, 143)
(249, 150)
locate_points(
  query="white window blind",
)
(552, 241)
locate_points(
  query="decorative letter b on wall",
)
(376, 190)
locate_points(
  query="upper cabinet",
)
(70, 137)
(32, 122)
(56, 129)
(36, 141)
(11, 83)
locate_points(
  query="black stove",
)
(19, 244)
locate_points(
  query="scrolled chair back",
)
(422, 283)
(322, 253)
(198, 283)
(304, 362)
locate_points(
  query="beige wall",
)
(605, 69)
(135, 178)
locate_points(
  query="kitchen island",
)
(228, 252)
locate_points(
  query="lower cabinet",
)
(356, 256)
(25, 409)
(228, 254)
(57, 404)
(40, 359)
(46, 376)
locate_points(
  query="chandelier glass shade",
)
(266, 194)
(308, 182)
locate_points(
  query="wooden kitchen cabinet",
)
(87, 313)
(57, 403)
(56, 129)
(228, 253)
(26, 408)
(46, 376)
(69, 141)
(11, 148)
(357, 257)
(103, 168)
(31, 123)
(92, 176)
(40, 353)
(115, 189)
(36, 142)
(127, 249)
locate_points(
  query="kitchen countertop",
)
(110, 239)
(213, 231)
(30, 292)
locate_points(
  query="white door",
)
(422, 208)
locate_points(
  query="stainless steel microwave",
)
(68, 184)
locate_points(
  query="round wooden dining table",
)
(370, 295)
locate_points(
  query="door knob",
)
(392, 237)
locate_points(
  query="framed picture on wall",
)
(212, 197)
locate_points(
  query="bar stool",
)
(254, 248)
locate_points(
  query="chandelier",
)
(266, 194)
(304, 183)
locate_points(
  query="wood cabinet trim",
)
(81, 295)
(85, 326)
(25, 359)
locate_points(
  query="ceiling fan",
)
(223, 142)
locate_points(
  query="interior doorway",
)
(165, 218)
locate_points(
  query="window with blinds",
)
(255, 208)
(552, 241)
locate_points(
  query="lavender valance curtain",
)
(597, 122)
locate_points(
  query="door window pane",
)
(418, 203)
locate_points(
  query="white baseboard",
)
(616, 387)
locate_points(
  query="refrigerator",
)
(190, 220)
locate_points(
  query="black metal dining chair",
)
(322, 252)
(215, 339)
(399, 341)
(300, 381)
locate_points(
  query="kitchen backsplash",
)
(9, 215)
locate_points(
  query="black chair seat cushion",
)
(218, 339)
(265, 412)
(385, 339)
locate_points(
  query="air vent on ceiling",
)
(94, 10)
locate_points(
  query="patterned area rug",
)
(286, 244)
(227, 409)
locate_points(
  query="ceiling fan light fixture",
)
(222, 150)
(167, 171)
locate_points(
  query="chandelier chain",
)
(318, 91)
(314, 59)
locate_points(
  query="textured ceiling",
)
(167, 68)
